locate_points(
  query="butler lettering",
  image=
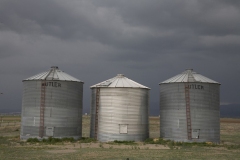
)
(51, 84)
(195, 86)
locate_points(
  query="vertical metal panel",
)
(121, 106)
(205, 112)
(63, 109)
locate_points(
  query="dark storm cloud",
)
(189, 25)
(152, 26)
(147, 40)
(6, 45)
(199, 16)
(39, 17)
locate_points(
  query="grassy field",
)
(12, 148)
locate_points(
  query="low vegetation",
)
(52, 140)
(123, 142)
(86, 140)
(87, 148)
(173, 144)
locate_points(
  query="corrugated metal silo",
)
(189, 108)
(52, 106)
(119, 110)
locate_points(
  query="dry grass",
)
(10, 125)
(12, 148)
(230, 131)
(10, 118)
(154, 130)
(229, 120)
(86, 126)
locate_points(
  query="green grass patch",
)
(32, 140)
(123, 142)
(232, 146)
(86, 140)
(232, 138)
(51, 140)
(4, 140)
(158, 141)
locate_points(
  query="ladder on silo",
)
(42, 108)
(97, 110)
(188, 112)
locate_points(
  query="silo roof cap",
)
(53, 74)
(120, 81)
(189, 76)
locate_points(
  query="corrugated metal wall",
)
(63, 109)
(205, 112)
(123, 114)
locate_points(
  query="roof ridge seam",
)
(117, 81)
(128, 82)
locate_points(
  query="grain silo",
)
(189, 108)
(119, 110)
(52, 106)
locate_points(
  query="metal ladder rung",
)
(188, 112)
(42, 108)
(97, 110)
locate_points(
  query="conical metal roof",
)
(189, 76)
(120, 81)
(53, 74)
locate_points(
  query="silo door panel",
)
(49, 131)
(195, 133)
(123, 128)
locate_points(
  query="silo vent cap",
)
(120, 75)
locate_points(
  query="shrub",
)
(32, 140)
(86, 140)
(125, 142)
(51, 140)
(71, 139)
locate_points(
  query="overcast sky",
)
(148, 41)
